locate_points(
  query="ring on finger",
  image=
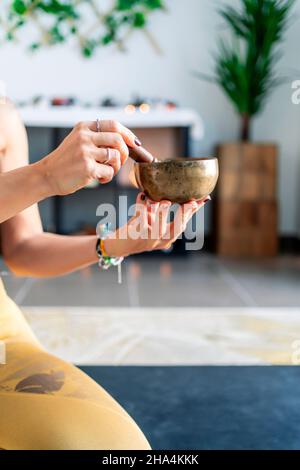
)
(108, 156)
(98, 125)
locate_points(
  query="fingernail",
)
(137, 142)
(151, 202)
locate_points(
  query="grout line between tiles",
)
(24, 290)
(133, 291)
(236, 286)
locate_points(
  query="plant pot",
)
(245, 213)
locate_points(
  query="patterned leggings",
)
(46, 403)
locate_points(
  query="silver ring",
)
(98, 126)
(108, 156)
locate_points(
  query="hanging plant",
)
(60, 21)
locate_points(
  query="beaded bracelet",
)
(105, 261)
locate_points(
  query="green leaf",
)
(139, 20)
(154, 4)
(35, 46)
(19, 7)
(57, 8)
(126, 4)
(61, 19)
(107, 39)
(10, 36)
(88, 48)
(246, 67)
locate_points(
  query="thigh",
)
(56, 423)
(47, 403)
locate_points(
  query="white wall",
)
(188, 37)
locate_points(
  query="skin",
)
(80, 159)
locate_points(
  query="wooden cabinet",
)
(246, 213)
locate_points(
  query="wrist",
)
(108, 245)
(41, 179)
(42, 175)
(113, 248)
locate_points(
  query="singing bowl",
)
(178, 181)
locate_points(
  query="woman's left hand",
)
(149, 229)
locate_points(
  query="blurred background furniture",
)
(246, 220)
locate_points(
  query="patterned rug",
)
(169, 336)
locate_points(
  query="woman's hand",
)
(86, 155)
(149, 229)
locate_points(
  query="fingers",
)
(155, 211)
(103, 173)
(112, 134)
(202, 202)
(189, 209)
(114, 126)
(141, 207)
(152, 210)
(109, 156)
(183, 216)
(148, 210)
(162, 218)
(157, 217)
(161, 234)
(112, 140)
(141, 199)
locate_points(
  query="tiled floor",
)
(201, 280)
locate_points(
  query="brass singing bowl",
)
(178, 181)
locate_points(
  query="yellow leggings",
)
(46, 403)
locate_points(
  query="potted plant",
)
(246, 200)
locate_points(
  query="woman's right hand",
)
(82, 156)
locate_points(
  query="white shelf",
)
(68, 116)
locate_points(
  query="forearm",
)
(47, 255)
(21, 188)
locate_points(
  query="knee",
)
(86, 426)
